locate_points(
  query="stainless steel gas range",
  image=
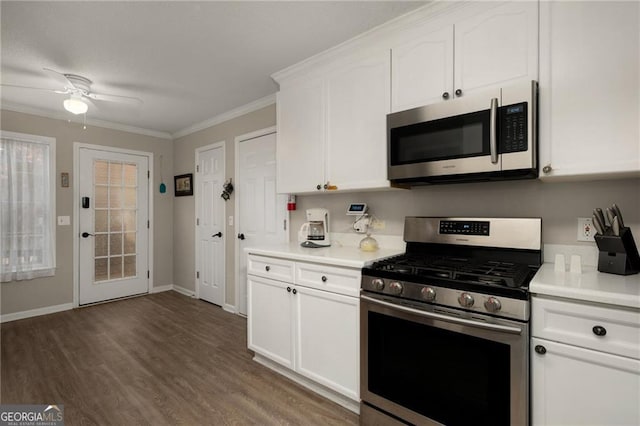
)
(445, 326)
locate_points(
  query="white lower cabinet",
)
(585, 364)
(311, 331)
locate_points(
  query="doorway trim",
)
(76, 211)
(197, 200)
(236, 224)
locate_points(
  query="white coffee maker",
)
(315, 232)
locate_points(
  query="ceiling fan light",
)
(75, 105)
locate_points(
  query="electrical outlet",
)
(378, 224)
(586, 231)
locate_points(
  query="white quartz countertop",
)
(334, 255)
(590, 286)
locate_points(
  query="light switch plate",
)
(64, 220)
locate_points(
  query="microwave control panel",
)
(513, 128)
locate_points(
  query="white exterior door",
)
(261, 210)
(113, 223)
(210, 256)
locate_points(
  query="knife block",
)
(618, 254)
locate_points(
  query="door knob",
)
(86, 234)
(458, 92)
(445, 95)
(241, 236)
(219, 234)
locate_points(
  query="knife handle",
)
(598, 224)
(618, 213)
(610, 216)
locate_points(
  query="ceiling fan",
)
(78, 88)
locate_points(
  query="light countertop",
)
(590, 286)
(348, 256)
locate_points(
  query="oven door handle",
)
(493, 130)
(486, 326)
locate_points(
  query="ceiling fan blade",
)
(115, 98)
(33, 88)
(61, 78)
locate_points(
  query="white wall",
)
(558, 204)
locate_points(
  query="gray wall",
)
(26, 295)
(184, 207)
(559, 204)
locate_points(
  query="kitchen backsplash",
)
(559, 205)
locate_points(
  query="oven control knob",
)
(377, 284)
(428, 294)
(465, 300)
(492, 304)
(395, 287)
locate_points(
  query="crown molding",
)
(229, 115)
(90, 122)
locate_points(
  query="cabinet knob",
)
(318, 187)
(458, 92)
(326, 185)
(540, 349)
(324, 279)
(445, 95)
(547, 169)
(288, 289)
(267, 268)
(294, 291)
(599, 330)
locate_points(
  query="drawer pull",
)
(599, 330)
(324, 279)
(540, 349)
(267, 268)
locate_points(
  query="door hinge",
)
(197, 169)
(148, 274)
(197, 274)
(198, 221)
(148, 174)
(285, 224)
(148, 225)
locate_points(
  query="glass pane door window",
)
(115, 190)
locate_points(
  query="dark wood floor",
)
(158, 359)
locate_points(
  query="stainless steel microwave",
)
(482, 136)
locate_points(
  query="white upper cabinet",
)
(332, 129)
(476, 48)
(301, 136)
(589, 89)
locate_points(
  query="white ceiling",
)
(188, 61)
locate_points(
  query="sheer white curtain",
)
(27, 207)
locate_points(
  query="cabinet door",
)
(576, 386)
(422, 68)
(327, 331)
(269, 319)
(301, 134)
(497, 47)
(357, 107)
(590, 89)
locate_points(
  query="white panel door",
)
(327, 331)
(113, 224)
(210, 210)
(358, 101)
(497, 47)
(262, 211)
(422, 68)
(269, 327)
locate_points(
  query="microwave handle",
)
(493, 130)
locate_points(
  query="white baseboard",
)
(184, 291)
(35, 312)
(230, 308)
(161, 288)
(340, 399)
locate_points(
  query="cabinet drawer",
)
(615, 331)
(329, 278)
(270, 267)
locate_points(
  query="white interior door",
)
(113, 224)
(261, 210)
(210, 224)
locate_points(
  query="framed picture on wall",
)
(183, 184)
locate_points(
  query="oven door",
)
(448, 138)
(436, 367)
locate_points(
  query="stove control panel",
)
(464, 227)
